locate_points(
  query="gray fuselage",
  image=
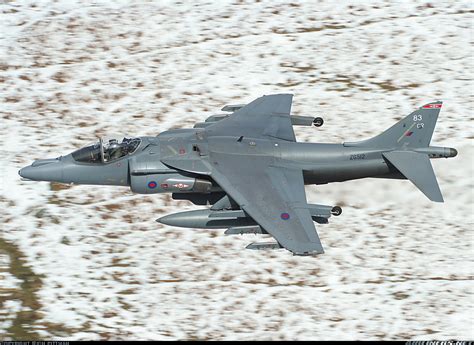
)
(321, 163)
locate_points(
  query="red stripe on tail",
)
(431, 106)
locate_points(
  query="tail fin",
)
(412, 132)
(415, 130)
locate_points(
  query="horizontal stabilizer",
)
(417, 168)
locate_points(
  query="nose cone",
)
(188, 219)
(26, 172)
(453, 152)
(171, 220)
(43, 170)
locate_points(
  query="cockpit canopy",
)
(106, 150)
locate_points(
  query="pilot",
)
(126, 145)
(114, 150)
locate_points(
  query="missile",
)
(237, 221)
(208, 219)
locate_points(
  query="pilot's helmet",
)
(113, 144)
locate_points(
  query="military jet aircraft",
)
(247, 167)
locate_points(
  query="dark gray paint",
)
(249, 166)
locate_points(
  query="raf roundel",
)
(152, 184)
(285, 216)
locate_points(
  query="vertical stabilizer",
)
(415, 130)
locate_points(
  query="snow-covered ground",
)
(98, 265)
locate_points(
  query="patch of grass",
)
(54, 186)
(29, 317)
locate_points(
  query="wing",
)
(267, 116)
(273, 196)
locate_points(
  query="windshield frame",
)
(100, 152)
